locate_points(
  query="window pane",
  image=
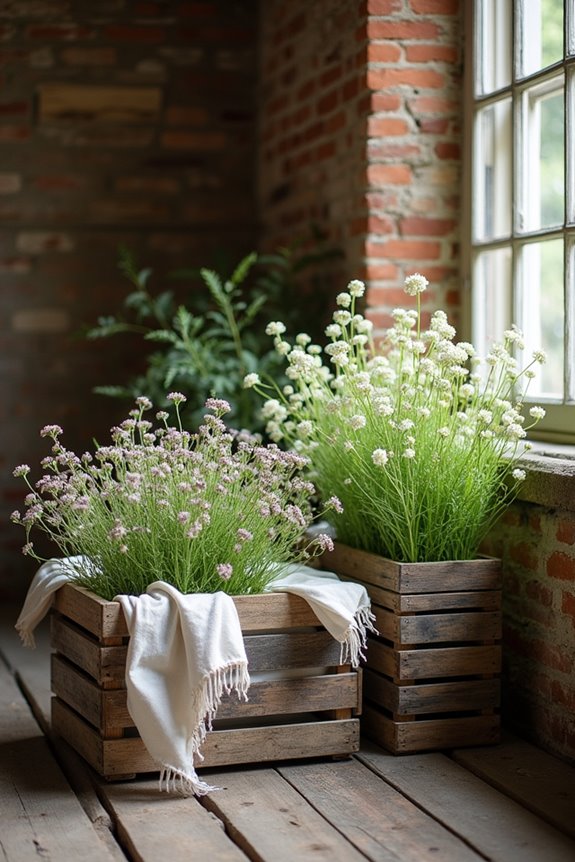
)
(493, 45)
(491, 297)
(492, 175)
(543, 181)
(541, 29)
(542, 313)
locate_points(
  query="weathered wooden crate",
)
(432, 677)
(306, 707)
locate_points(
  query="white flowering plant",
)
(214, 510)
(417, 437)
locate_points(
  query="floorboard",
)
(493, 824)
(373, 816)
(543, 784)
(508, 803)
(41, 816)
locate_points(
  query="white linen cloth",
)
(185, 651)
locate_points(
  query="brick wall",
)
(413, 152)
(313, 116)
(360, 131)
(120, 122)
(537, 546)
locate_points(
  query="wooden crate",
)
(306, 708)
(432, 677)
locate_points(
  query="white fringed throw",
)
(185, 651)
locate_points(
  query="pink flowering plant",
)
(418, 437)
(206, 511)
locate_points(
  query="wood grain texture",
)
(271, 820)
(222, 747)
(431, 628)
(378, 820)
(543, 784)
(427, 664)
(262, 613)
(446, 697)
(153, 825)
(490, 822)
(405, 737)
(107, 710)
(479, 574)
(40, 815)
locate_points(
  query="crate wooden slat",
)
(432, 674)
(306, 707)
(260, 744)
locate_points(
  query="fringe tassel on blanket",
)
(234, 677)
(355, 643)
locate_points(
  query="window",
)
(522, 190)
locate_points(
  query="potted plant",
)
(209, 512)
(420, 441)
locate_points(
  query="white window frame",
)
(559, 424)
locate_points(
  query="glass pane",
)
(570, 328)
(543, 316)
(544, 180)
(491, 297)
(492, 174)
(493, 45)
(541, 29)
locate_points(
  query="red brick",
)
(566, 532)
(330, 76)
(402, 249)
(384, 7)
(196, 10)
(384, 102)
(433, 105)
(14, 133)
(57, 182)
(568, 606)
(350, 89)
(448, 150)
(563, 695)
(434, 126)
(381, 272)
(89, 56)
(415, 226)
(136, 35)
(387, 126)
(435, 7)
(523, 554)
(184, 115)
(306, 90)
(389, 149)
(382, 175)
(60, 33)
(379, 225)
(383, 52)
(335, 123)
(203, 141)
(561, 566)
(12, 109)
(328, 102)
(429, 53)
(390, 296)
(540, 593)
(325, 151)
(384, 79)
(402, 29)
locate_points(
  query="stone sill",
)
(550, 478)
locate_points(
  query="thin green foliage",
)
(418, 438)
(209, 511)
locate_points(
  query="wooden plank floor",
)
(507, 803)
